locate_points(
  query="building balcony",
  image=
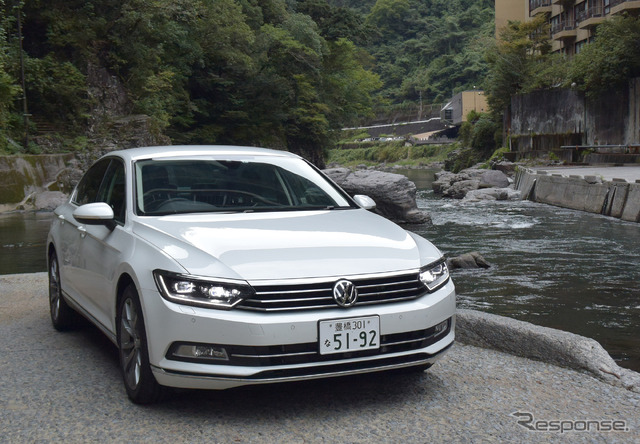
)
(590, 18)
(620, 6)
(539, 7)
(564, 30)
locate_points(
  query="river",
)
(553, 267)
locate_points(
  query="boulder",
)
(492, 194)
(487, 194)
(49, 200)
(442, 182)
(459, 189)
(468, 260)
(41, 201)
(458, 185)
(508, 168)
(67, 178)
(493, 179)
(394, 194)
(544, 344)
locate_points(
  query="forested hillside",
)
(278, 73)
(432, 48)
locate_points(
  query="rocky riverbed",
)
(476, 184)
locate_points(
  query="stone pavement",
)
(66, 387)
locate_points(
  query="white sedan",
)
(214, 267)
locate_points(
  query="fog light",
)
(201, 351)
(440, 328)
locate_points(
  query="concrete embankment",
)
(608, 191)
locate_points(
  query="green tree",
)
(278, 73)
(56, 90)
(348, 87)
(9, 89)
(389, 16)
(611, 59)
(514, 60)
(433, 50)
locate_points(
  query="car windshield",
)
(171, 186)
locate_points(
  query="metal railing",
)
(594, 11)
(567, 25)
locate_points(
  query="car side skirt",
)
(73, 304)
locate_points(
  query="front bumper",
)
(269, 347)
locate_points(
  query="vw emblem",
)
(345, 293)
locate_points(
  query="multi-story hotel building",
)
(572, 23)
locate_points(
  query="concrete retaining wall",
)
(23, 175)
(548, 119)
(618, 199)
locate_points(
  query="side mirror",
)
(364, 202)
(97, 213)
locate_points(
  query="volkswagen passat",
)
(216, 267)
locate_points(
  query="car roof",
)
(158, 152)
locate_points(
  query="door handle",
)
(61, 218)
(83, 231)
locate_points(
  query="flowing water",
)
(558, 268)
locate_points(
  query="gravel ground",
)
(67, 387)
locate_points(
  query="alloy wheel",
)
(130, 344)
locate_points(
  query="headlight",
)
(201, 292)
(435, 275)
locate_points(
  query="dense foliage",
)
(516, 60)
(521, 60)
(280, 73)
(611, 60)
(430, 49)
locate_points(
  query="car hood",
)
(286, 245)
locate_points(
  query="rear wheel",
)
(139, 381)
(62, 316)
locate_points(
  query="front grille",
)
(308, 296)
(307, 353)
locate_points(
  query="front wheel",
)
(139, 381)
(62, 316)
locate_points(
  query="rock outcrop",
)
(544, 344)
(22, 176)
(46, 201)
(394, 194)
(468, 260)
(492, 194)
(473, 180)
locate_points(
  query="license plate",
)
(349, 335)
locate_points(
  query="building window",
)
(580, 12)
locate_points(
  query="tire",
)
(63, 317)
(141, 385)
